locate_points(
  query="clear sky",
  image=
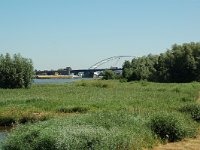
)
(79, 33)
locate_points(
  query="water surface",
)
(55, 81)
(3, 135)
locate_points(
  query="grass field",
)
(98, 114)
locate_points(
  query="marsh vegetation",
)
(99, 114)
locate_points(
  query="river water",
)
(56, 81)
(3, 134)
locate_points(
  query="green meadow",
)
(99, 114)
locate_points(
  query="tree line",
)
(179, 64)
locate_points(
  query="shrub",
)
(176, 90)
(32, 119)
(170, 127)
(83, 84)
(102, 84)
(187, 99)
(26, 119)
(45, 142)
(6, 121)
(193, 110)
(60, 136)
(15, 72)
(28, 140)
(144, 83)
(122, 80)
(73, 110)
(96, 83)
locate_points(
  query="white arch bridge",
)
(96, 67)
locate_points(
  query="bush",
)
(187, 99)
(83, 84)
(15, 72)
(95, 83)
(144, 83)
(101, 84)
(73, 110)
(32, 119)
(122, 80)
(28, 141)
(56, 135)
(193, 110)
(170, 127)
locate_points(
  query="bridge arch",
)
(96, 65)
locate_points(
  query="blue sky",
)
(79, 33)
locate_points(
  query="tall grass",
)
(103, 130)
(95, 114)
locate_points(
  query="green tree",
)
(127, 70)
(180, 64)
(108, 74)
(165, 63)
(141, 68)
(15, 72)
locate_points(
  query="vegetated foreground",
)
(99, 115)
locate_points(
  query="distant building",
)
(66, 71)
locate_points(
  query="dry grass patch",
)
(186, 144)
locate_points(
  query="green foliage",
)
(180, 64)
(141, 68)
(95, 83)
(31, 139)
(31, 119)
(101, 84)
(187, 99)
(77, 109)
(82, 133)
(122, 80)
(15, 72)
(108, 74)
(170, 127)
(193, 110)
